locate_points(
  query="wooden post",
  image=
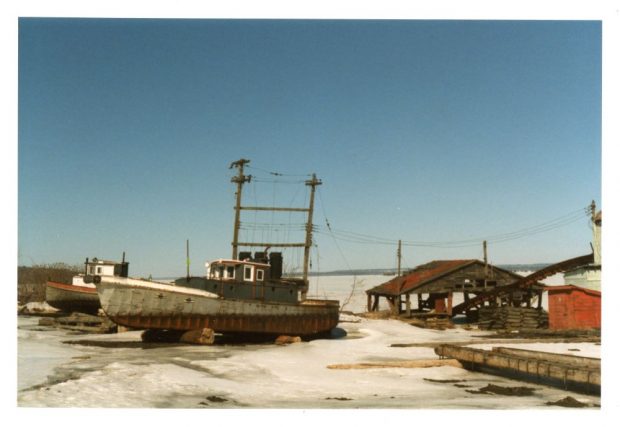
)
(187, 257)
(399, 255)
(393, 305)
(449, 303)
(420, 302)
(486, 263)
(313, 184)
(369, 302)
(408, 302)
(540, 295)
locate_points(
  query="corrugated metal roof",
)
(419, 276)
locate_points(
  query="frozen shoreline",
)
(52, 373)
(119, 371)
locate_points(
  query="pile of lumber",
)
(512, 318)
(429, 322)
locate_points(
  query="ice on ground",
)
(128, 374)
(117, 370)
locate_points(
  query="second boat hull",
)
(70, 298)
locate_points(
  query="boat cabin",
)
(101, 267)
(250, 278)
(238, 270)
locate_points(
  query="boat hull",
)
(70, 298)
(148, 305)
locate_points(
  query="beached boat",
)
(236, 296)
(244, 294)
(81, 294)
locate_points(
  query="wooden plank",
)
(422, 363)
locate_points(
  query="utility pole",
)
(313, 183)
(240, 179)
(187, 257)
(399, 256)
(486, 263)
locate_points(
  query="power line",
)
(354, 237)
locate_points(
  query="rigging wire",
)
(361, 238)
(354, 285)
(277, 173)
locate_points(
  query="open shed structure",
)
(434, 284)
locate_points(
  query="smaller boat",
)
(81, 294)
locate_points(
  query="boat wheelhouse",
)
(258, 278)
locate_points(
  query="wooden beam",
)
(408, 303)
(273, 245)
(422, 363)
(260, 208)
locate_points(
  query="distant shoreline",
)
(392, 272)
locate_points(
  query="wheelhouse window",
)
(221, 271)
(217, 271)
(230, 272)
(260, 275)
(247, 272)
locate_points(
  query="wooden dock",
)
(582, 374)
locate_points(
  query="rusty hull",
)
(147, 305)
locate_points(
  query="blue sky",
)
(425, 131)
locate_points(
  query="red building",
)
(572, 307)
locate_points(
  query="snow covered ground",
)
(57, 368)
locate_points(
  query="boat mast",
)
(240, 179)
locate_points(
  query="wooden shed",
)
(439, 280)
(572, 307)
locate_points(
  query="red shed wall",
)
(574, 309)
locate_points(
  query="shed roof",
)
(420, 275)
(565, 288)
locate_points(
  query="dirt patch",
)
(216, 399)
(568, 402)
(337, 398)
(504, 391)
